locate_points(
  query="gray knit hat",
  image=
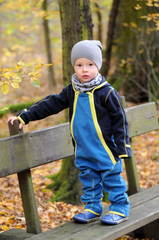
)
(90, 49)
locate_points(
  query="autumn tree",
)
(76, 23)
(21, 36)
(136, 50)
(51, 75)
(99, 20)
(110, 37)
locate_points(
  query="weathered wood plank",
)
(71, 228)
(142, 119)
(22, 152)
(27, 192)
(29, 202)
(36, 148)
(131, 173)
(139, 216)
(15, 234)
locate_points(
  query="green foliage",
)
(13, 76)
(105, 197)
(116, 82)
(136, 50)
(14, 108)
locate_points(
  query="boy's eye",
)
(91, 64)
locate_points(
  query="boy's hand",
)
(12, 119)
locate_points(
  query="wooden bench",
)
(22, 152)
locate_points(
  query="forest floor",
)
(52, 214)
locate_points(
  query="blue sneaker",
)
(113, 219)
(86, 217)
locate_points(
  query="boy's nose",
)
(84, 69)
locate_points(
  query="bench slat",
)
(144, 209)
(33, 149)
(142, 119)
(36, 148)
(139, 217)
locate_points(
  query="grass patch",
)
(14, 108)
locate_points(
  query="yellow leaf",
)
(150, 63)
(130, 60)
(5, 88)
(143, 17)
(34, 73)
(3, 109)
(7, 75)
(15, 85)
(133, 24)
(18, 67)
(39, 66)
(137, 7)
(4, 228)
(2, 213)
(49, 64)
(17, 78)
(20, 63)
(35, 82)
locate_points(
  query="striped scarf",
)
(88, 86)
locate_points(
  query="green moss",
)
(14, 108)
(62, 192)
(116, 83)
(105, 197)
(65, 188)
(3, 112)
(84, 31)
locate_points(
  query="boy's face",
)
(85, 69)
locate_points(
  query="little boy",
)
(99, 130)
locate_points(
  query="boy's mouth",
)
(85, 76)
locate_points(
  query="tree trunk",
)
(110, 37)
(99, 21)
(137, 52)
(51, 75)
(76, 25)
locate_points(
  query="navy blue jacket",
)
(109, 110)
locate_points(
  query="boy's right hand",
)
(12, 119)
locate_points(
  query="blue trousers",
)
(112, 182)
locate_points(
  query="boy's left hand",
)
(14, 118)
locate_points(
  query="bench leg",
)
(132, 176)
(27, 191)
(29, 202)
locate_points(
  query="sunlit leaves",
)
(5, 88)
(15, 85)
(137, 7)
(151, 16)
(12, 77)
(126, 64)
(35, 82)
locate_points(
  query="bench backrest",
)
(32, 149)
(20, 153)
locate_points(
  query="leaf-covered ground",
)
(146, 149)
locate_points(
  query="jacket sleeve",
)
(119, 123)
(49, 105)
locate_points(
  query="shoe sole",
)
(114, 223)
(80, 220)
